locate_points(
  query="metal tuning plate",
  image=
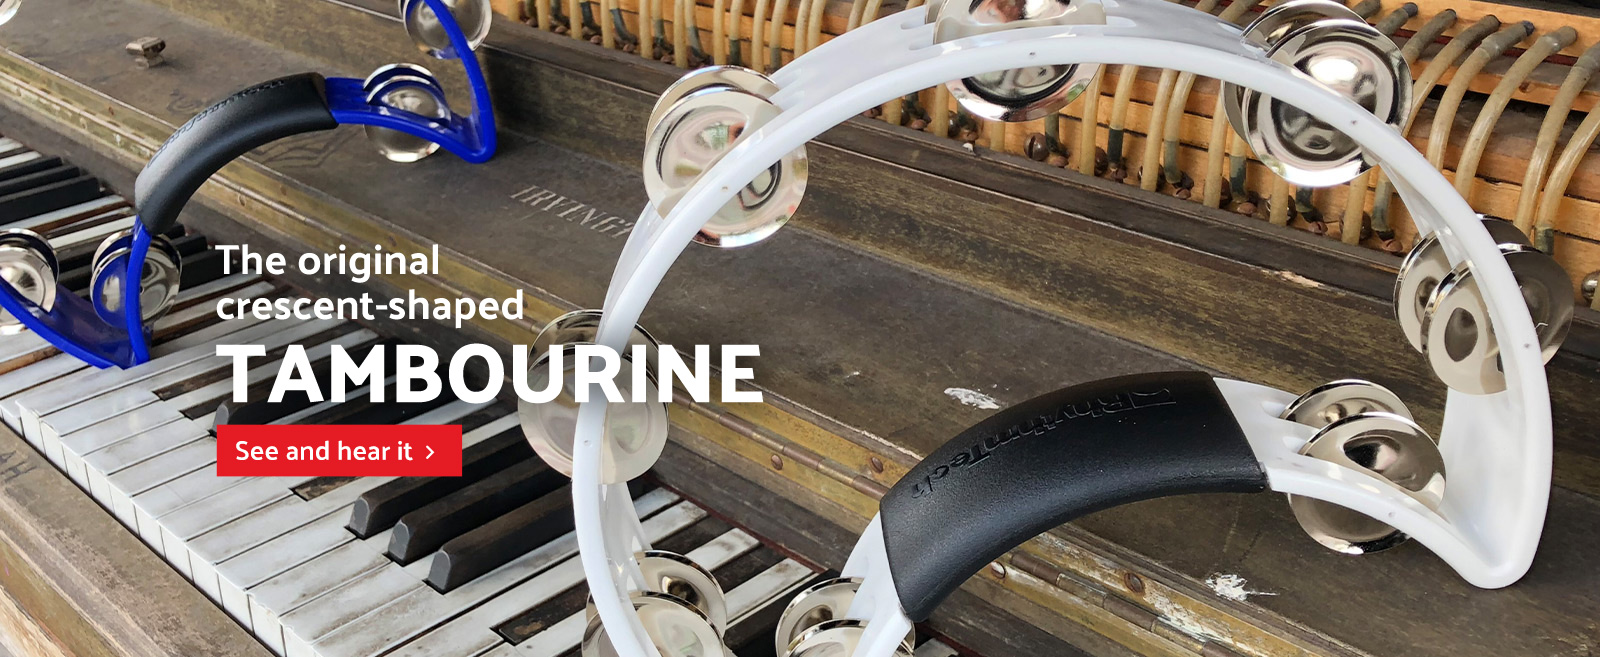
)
(1020, 94)
(473, 16)
(693, 136)
(636, 431)
(1387, 447)
(679, 576)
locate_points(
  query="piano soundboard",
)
(479, 565)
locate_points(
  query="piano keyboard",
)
(479, 565)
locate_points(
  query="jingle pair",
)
(1360, 474)
(136, 274)
(1443, 314)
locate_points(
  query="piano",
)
(932, 247)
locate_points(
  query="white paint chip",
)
(1232, 587)
(973, 398)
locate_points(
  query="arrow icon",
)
(430, 453)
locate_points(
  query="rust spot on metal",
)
(1133, 582)
(777, 462)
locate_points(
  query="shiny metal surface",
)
(8, 10)
(383, 73)
(1420, 272)
(1459, 342)
(1589, 285)
(677, 629)
(1334, 401)
(821, 602)
(680, 577)
(1388, 447)
(693, 136)
(835, 638)
(31, 275)
(1354, 60)
(31, 240)
(158, 283)
(474, 17)
(1504, 232)
(1020, 94)
(722, 76)
(407, 93)
(637, 431)
(1266, 31)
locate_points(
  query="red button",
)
(315, 450)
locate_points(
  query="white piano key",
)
(237, 575)
(934, 648)
(181, 525)
(19, 159)
(491, 599)
(343, 605)
(90, 235)
(315, 354)
(116, 440)
(26, 378)
(291, 590)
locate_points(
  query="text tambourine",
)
(1361, 475)
(136, 274)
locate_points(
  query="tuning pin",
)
(693, 135)
(679, 576)
(720, 77)
(676, 628)
(473, 16)
(158, 282)
(1021, 94)
(1458, 338)
(636, 432)
(8, 10)
(1386, 446)
(1327, 42)
(835, 638)
(407, 88)
(1334, 401)
(28, 265)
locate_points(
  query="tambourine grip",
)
(256, 116)
(1051, 459)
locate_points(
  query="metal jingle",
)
(583, 326)
(383, 73)
(676, 628)
(679, 576)
(1504, 232)
(693, 136)
(1021, 94)
(836, 638)
(1349, 57)
(1420, 272)
(1457, 338)
(1267, 30)
(1336, 400)
(1547, 291)
(722, 76)
(636, 432)
(33, 277)
(27, 239)
(414, 95)
(1387, 447)
(158, 281)
(821, 602)
(473, 16)
(8, 10)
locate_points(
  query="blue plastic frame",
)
(74, 327)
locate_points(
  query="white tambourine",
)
(1361, 475)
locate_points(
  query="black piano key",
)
(224, 372)
(202, 267)
(39, 178)
(424, 530)
(751, 636)
(704, 531)
(25, 168)
(496, 543)
(50, 197)
(383, 506)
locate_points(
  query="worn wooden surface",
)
(954, 272)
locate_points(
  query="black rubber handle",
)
(259, 115)
(1053, 458)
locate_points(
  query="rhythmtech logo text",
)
(982, 449)
(580, 371)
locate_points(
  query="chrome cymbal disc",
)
(835, 638)
(679, 576)
(407, 93)
(1020, 94)
(1420, 272)
(473, 16)
(1547, 291)
(1354, 60)
(158, 284)
(1266, 31)
(383, 73)
(821, 602)
(1334, 401)
(720, 76)
(1504, 232)
(32, 276)
(693, 136)
(676, 628)
(1386, 446)
(28, 239)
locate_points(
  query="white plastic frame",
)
(1497, 448)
